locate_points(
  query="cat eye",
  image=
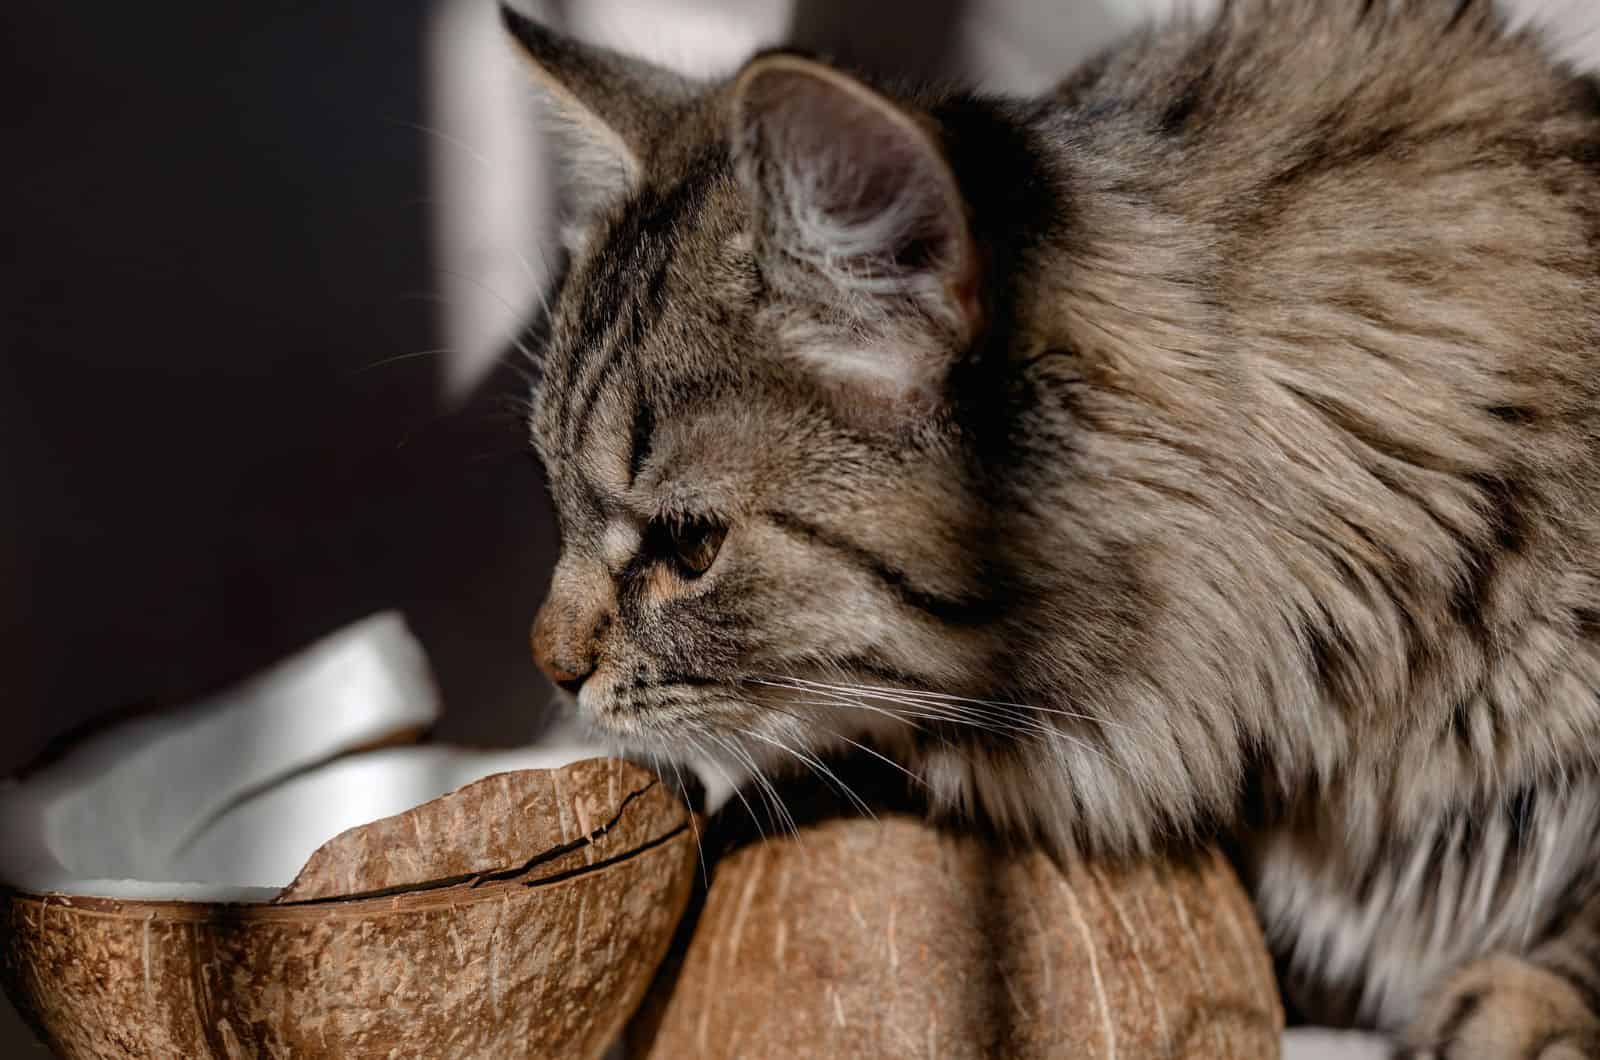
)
(692, 543)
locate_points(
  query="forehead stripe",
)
(597, 287)
(600, 340)
(644, 426)
(643, 311)
(637, 284)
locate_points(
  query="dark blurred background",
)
(215, 444)
(220, 435)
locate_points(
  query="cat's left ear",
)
(611, 109)
(859, 216)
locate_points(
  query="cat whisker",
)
(963, 710)
(480, 285)
(841, 736)
(736, 788)
(995, 703)
(699, 843)
(444, 137)
(958, 711)
(385, 361)
(891, 715)
(699, 839)
(482, 160)
(939, 712)
(778, 812)
(816, 766)
(515, 338)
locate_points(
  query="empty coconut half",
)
(145, 911)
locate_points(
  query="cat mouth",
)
(633, 708)
(769, 715)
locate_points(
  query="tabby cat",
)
(1208, 446)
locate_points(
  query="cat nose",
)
(572, 624)
(570, 681)
(564, 652)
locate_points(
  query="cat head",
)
(749, 400)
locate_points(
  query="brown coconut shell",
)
(898, 938)
(522, 916)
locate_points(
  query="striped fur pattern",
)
(1211, 445)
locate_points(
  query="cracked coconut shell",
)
(520, 916)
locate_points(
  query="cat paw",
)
(1505, 1008)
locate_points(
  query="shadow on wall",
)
(220, 437)
(896, 38)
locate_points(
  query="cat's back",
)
(1396, 198)
(1343, 75)
(1332, 268)
(1266, 97)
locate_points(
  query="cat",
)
(1207, 447)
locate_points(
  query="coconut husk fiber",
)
(895, 937)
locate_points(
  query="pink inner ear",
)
(857, 186)
(863, 231)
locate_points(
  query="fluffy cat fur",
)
(1208, 446)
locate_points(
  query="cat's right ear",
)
(609, 109)
(857, 215)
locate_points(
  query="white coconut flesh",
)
(224, 800)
